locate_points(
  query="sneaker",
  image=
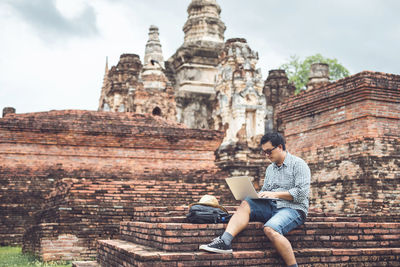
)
(218, 246)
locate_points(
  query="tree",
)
(298, 71)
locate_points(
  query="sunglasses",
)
(269, 151)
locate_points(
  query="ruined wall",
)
(112, 160)
(349, 134)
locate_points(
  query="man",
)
(288, 179)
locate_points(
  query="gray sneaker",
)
(218, 246)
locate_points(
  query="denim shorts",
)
(282, 220)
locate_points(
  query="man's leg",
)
(282, 222)
(237, 223)
(239, 220)
(282, 245)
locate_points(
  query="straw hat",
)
(209, 200)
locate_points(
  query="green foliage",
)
(298, 71)
(13, 257)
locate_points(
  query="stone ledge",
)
(118, 252)
(85, 264)
(187, 237)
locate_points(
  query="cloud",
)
(52, 53)
(50, 24)
(362, 34)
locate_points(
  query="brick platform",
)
(123, 253)
(69, 178)
(321, 241)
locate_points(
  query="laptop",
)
(242, 187)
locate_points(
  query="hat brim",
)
(209, 204)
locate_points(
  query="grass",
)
(13, 257)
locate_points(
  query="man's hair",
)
(276, 139)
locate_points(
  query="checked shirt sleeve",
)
(302, 176)
(267, 180)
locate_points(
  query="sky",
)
(53, 52)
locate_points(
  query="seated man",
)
(288, 179)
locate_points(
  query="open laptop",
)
(242, 187)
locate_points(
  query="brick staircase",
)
(161, 237)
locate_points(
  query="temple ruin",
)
(114, 184)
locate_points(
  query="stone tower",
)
(153, 49)
(240, 109)
(133, 87)
(240, 100)
(277, 89)
(156, 96)
(204, 22)
(118, 82)
(194, 64)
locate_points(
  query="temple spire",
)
(106, 71)
(204, 23)
(153, 49)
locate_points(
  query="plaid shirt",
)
(294, 176)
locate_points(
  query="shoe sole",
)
(215, 250)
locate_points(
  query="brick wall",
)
(349, 134)
(90, 168)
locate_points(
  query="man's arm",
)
(282, 195)
(265, 190)
(301, 189)
(267, 182)
(302, 176)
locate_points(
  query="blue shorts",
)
(282, 220)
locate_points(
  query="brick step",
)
(188, 237)
(85, 264)
(123, 253)
(178, 213)
(179, 218)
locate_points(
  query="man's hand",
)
(268, 194)
(281, 195)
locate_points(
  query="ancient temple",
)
(191, 72)
(141, 88)
(114, 184)
(190, 79)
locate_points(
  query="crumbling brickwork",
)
(70, 178)
(349, 134)
(84, 170)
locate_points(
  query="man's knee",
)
(271, 233)
(244, 207)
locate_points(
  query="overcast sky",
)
(53, 52)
